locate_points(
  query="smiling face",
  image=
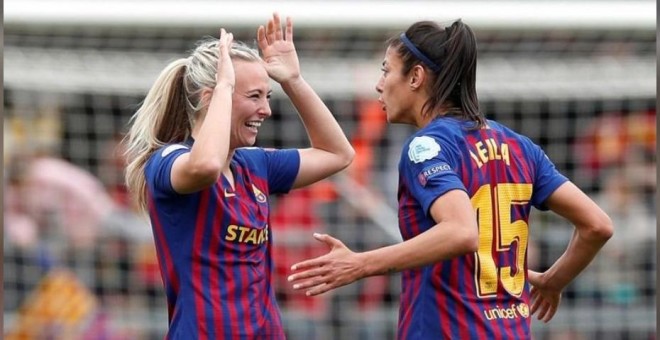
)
(250, 103)
(396, 96)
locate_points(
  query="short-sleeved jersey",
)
(482, 295)
(214, 246)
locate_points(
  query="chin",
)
(401, 118)
(394, 119)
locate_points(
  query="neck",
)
(420, 119)
(425, 117)
(230, 155)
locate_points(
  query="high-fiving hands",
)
(224, 68)
(278, 52)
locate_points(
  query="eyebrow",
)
(259, 91)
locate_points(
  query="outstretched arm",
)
(455, 234)
(330, 150)
(592, 229)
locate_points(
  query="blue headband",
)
(414, 50)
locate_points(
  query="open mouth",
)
(382, 105)
(253, 125)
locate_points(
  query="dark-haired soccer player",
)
(466, 188)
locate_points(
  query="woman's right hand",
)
(225, 69)
(337, 268)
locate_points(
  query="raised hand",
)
(278, 51)
(225, 69)
(337, 268)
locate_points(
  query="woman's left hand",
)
(545, 300)
(279, 53)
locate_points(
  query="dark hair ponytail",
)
(453, 52)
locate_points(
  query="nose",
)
(379, 85)
(264, 110)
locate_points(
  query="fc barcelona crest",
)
(261, 198)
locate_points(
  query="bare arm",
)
(330, 151)
(592, 229)
(202, 166)
(455, 234)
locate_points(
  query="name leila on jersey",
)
(489, 150)
(243, 234)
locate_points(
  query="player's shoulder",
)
(509, 132)
(444, 131)
(249, 152)
(528, 147)
(251, 156)
(168, 149)
(421, 148)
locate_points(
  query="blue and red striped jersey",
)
(483, 295)
(214, 246)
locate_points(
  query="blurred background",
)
(578, 78)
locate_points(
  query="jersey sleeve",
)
(428, 166)
(547, 178)
(282, 168)
(159, 168)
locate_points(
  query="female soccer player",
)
(466, 188)
(206, 189)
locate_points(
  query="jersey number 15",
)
(497, 234)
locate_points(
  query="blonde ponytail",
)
(164, 106)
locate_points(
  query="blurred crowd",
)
(61, 217)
